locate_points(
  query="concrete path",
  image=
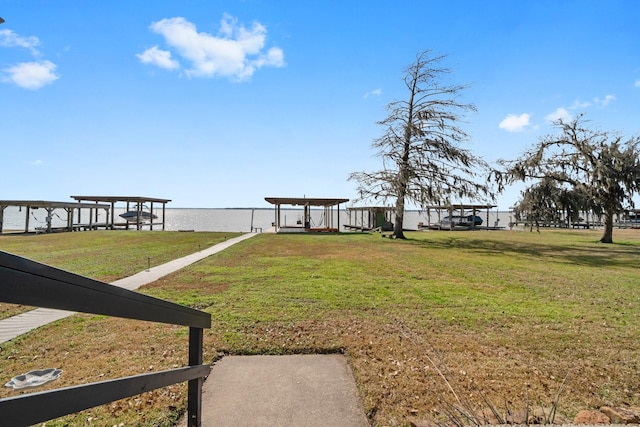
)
(283, 391)
(13, 327)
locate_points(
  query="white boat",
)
(132, 216)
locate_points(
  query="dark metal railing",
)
(27, 282)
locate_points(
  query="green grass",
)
(109, 255)
(508, 314)
(105, 255)
(487, 274)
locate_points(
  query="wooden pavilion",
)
(69, 208)
(135, 204)
(305, 224)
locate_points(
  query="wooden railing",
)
(30, 283)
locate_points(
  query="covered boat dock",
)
(69, 208)
(378, 218)
(305, 224)
(141, 214)
(458, 216)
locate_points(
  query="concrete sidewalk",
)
(283, 391)
(15, 326)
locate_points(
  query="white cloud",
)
(375, 92)
(559, 114)
(237, 52)
(580, 105)
(10, 39)
(37, 162)
(637, 83)
(606, 101)
(31, 75)
(160, 58)
(27, 75)
(514, 123)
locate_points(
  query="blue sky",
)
(221, 103)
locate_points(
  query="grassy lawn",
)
(105, 255)
(439, 318)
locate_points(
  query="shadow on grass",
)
(593, 255)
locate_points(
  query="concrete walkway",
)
(283, 391)
(13, 327)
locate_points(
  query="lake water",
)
(235, 220)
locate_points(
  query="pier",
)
(305, 224)
(84, 214)
(459, 217)
(378, 218)
(134, 204)
(69, 209)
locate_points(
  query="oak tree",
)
(601, 166)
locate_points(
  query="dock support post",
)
(69, 218)
(151, 212)
(113, 212)
(164, 205)
(26, 221)
(49, 212)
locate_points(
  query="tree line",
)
(424, 161)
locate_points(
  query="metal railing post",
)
(194, 406)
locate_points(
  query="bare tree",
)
(422, 158)
(597, 164)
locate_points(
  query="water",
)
(233, 220)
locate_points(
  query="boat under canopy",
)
(133, 216)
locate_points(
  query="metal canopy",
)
(114, 199)
(49, 204)
(304, 201)
(460, 206)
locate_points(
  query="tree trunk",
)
(398, 226)
(607, 237)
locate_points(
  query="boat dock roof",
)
(49, 204)
(305, 201)
(116, 199)
(305, 225)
